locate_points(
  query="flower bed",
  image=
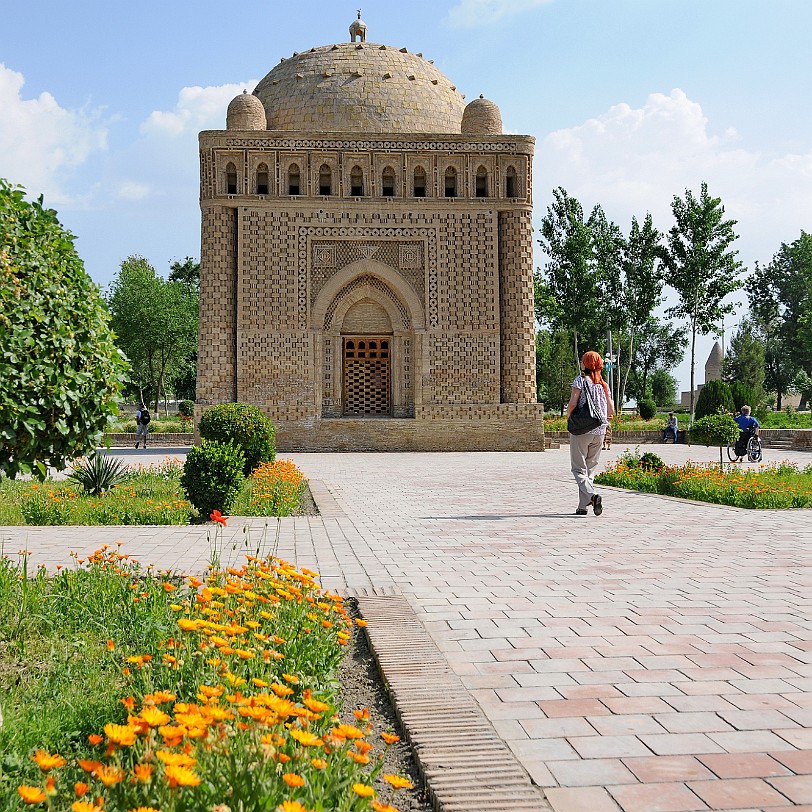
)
(150, 495)
(767, 486)
(195, 695)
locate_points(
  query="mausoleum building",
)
(366, 260)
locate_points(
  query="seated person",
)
(749, 427)
(670, 427)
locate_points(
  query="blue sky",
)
(631, 101)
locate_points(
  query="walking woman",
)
(585, 449)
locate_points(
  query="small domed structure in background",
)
(481, 117)
(245, 112)
(713, 366)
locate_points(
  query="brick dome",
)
(482, 117)
(245, 112)
(360, 87)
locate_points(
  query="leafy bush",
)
(60, 370)
(246, 426)
(212, 476)
(715, 429)
(186, 408)
(651, 462)
(742, 394)
(647, 408)
(98, 474)
(713, 396)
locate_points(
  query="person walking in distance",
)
(585, 449)
(142, 418)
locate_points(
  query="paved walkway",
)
(657, 658)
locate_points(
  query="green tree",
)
(663, 387)
(566, 290)
(659, 346)
(715, 429)
(187, 272)
(742, 395)
(156, 323)
(555, 369)
(745, 361)
(60, 370)
(642, 288)
(780, 296)
(702, 267)
(714, 396)
(184, 378)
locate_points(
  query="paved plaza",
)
(656, 658)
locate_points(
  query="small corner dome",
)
(245, 112)
(481, 117)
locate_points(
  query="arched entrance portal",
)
(368, 317)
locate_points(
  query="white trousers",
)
(585, 450)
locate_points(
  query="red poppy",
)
(218, 517)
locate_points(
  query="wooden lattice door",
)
(367, 376)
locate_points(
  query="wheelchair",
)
(748, 446)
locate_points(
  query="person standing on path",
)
(142, 418)
(585, 449)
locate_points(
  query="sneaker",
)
(597, 504)
(581, 512)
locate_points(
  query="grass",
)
(626, 422)
(760, 487)
(150, 495)
(158, 425)
(125, 688)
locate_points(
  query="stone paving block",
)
(743, 765)
(590, 772)
(738, 793)
(653, 769)
(799, 761)
(750, 741)
(582, 799)
(798, 788)
(603, 746)
(692, 722)
(675, 744)
(661, 797)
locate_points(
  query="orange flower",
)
(347, 732)
(218, 517)
(181, 776)
(359, 758)
(111, 646)
(291, 806)
(169, 587)
(306, 738)
(89, 765)
(398, 782)
(80, 788)
(95, 739)
(145, 809)
(86, 806)
(390, 738)
(364, 790)
(293, 780)
(360, 622)
(361, 715)
(46, 761)
(379, 807)
(109, 774)
(318, 763)
(175, 759)
(154, 717)
(123, 735)
(143, 772)
(31, 795)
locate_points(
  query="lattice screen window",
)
(367, 376)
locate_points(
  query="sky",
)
(630, 102)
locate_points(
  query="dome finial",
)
(358, 29)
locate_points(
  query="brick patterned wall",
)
(518, 374)
(216, 365)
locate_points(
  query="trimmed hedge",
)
(246, 427)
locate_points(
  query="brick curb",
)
(464, 763)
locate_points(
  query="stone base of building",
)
(393, 434)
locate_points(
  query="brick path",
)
(657, 658)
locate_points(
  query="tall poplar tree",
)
(702, 267)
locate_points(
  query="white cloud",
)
(42, 143)
(634, 160)
(198, 108)
(473, 13)
(132, 190)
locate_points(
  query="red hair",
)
(592, 364)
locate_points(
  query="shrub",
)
(715, 429)
(651, 462)
(713, 396)
(98, 474)
(60, 370)
(647, 408)
(246, 427)
(212, 476)
(186, 408)
(742, 394)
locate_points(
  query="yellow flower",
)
(306, 738)
(123, 735)
(398, 782)
(293, 780)
(347, 732)
(31, 795)
(154, 717)
(316, 706)
(291, 806)
(181, 776)
(175, 759)
(85, 806)
(318, 763)
(364, 790)
(109, 774)
(379, 807)
(46, 761)
(145, 809)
